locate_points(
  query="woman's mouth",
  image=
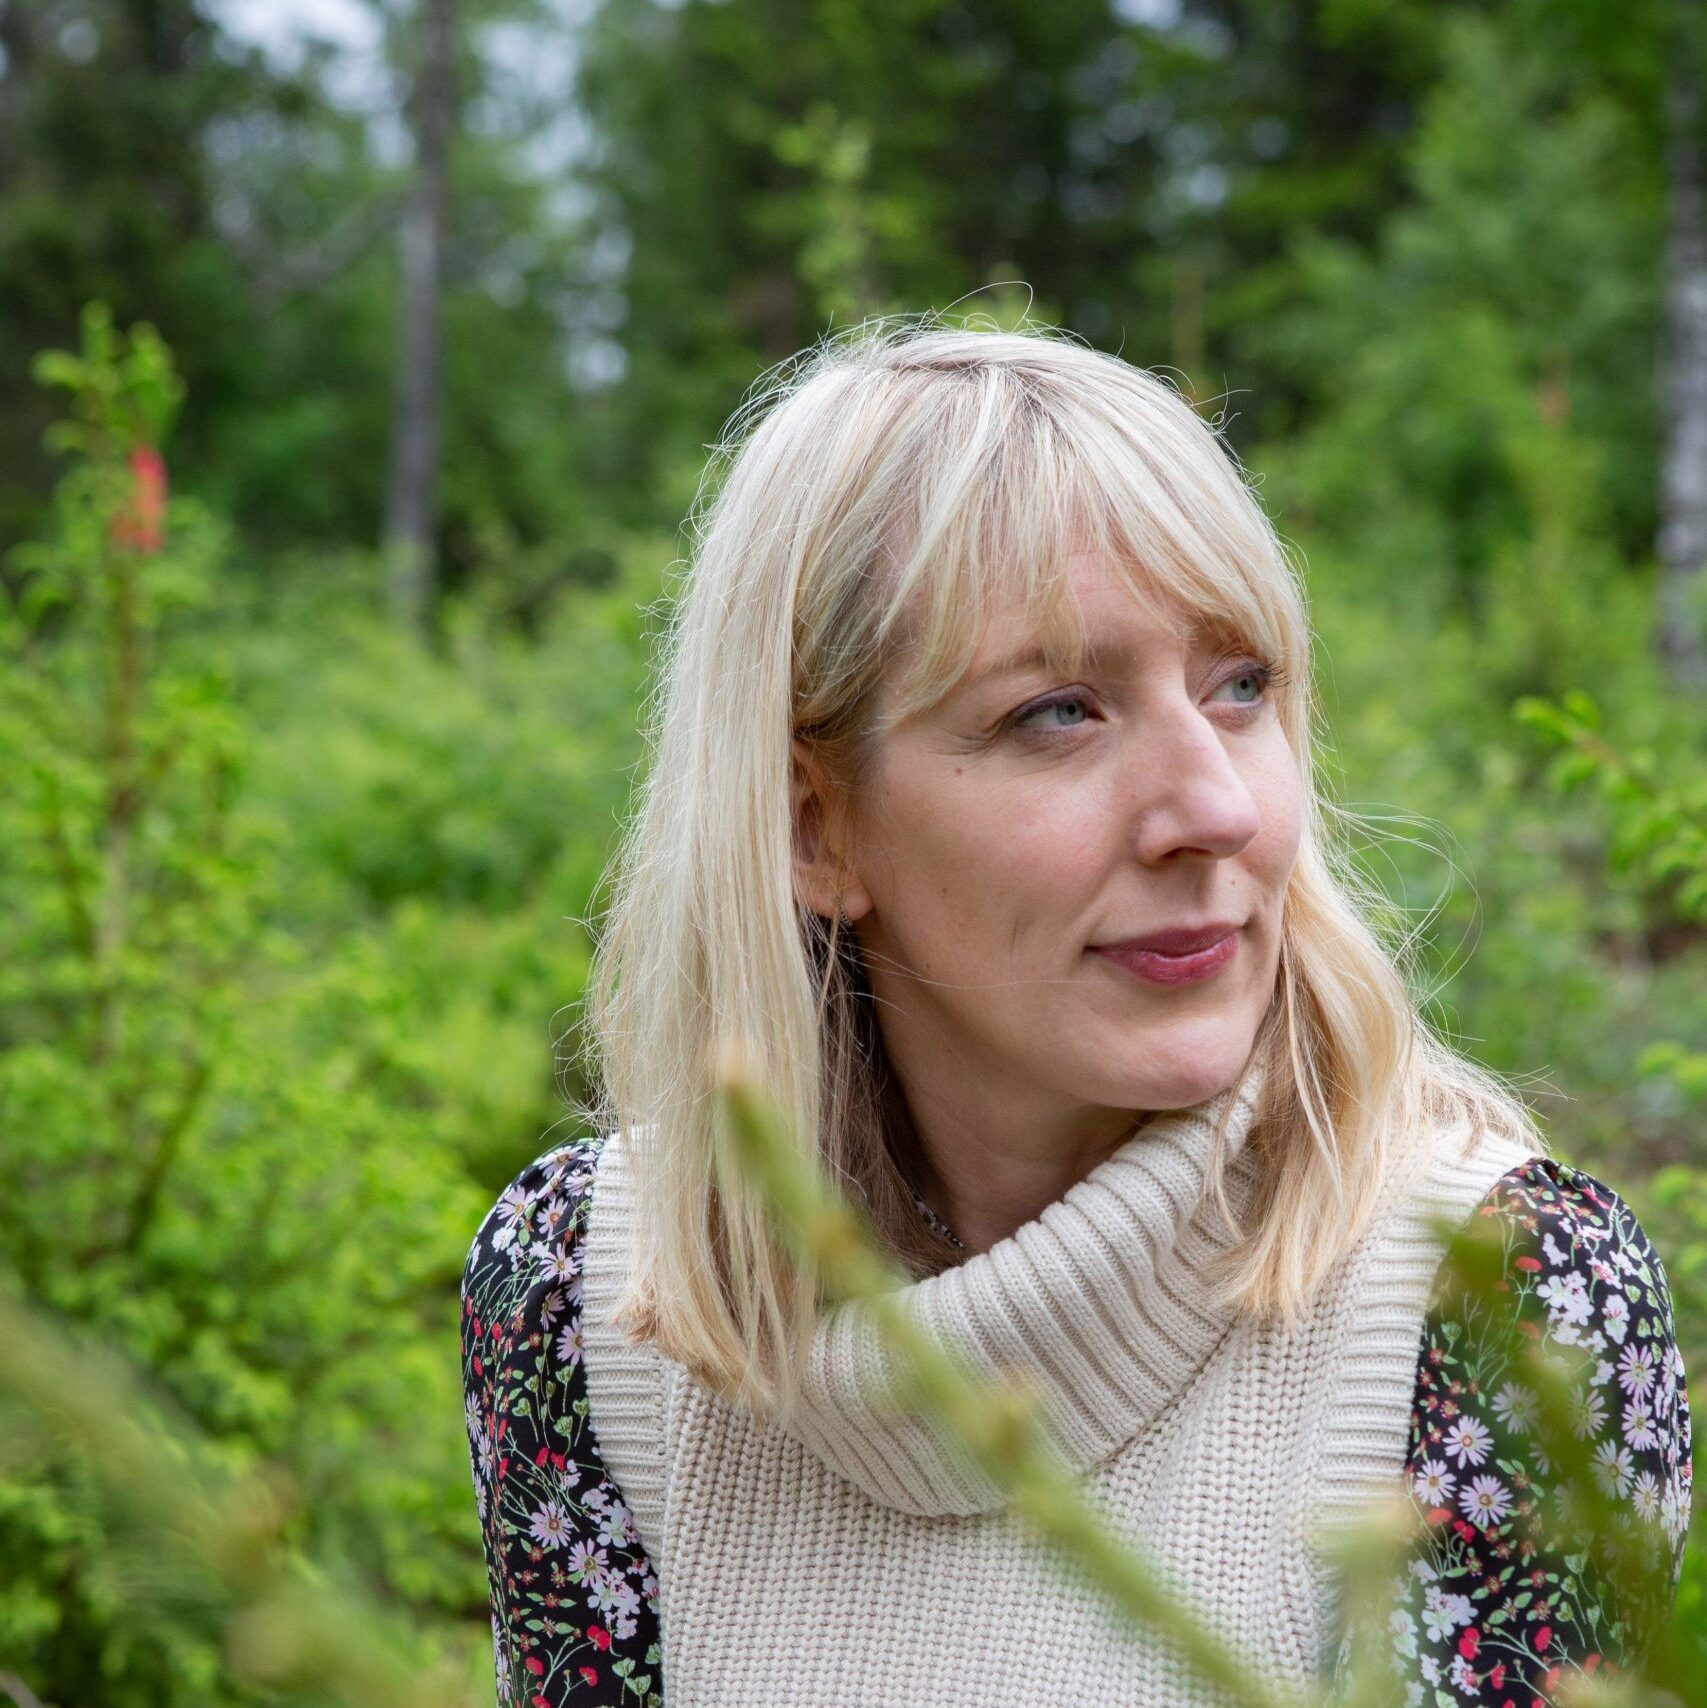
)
(1158, 968)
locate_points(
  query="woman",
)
(983, 806)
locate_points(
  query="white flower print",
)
(605, 1592)
(1486, 1501)
(1442, 1614)
(1567, 1297)
(513, 1206)
(1615, 1313)
(1587, 1412)
(550, 1525)
(616, 1525)
(587, 1558)
(1675, 1515)
(1639, 1428)
(1636, 1370)
(1645, 1496)
(1463, 1675)
(1614, 1468)
(551, 1307)
(562, 1262)
(1467, 1440)
(1402, 1628)
(569, 1342)
(1434, 1483)
(1516, 1407)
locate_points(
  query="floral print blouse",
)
(1494, 1605)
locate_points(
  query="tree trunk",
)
(411, 490)
(1681, 628)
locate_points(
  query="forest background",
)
(327, 618)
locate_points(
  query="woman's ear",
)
(822, 877)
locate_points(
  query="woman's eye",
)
(1068, 704)
(1255, 679)
(1260, 677)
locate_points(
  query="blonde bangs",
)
(1010, 478)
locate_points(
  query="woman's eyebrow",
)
(1097, 651)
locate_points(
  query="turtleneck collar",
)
(1104, 1303)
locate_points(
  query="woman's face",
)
(1010, 830)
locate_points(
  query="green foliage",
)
(208, 1158)
(299, 910)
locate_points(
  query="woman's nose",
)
(1187, 789)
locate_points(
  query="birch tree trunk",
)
(1681, 629)
(411, 488)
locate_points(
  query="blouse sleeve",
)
(1501, 1599)
(573, 1596)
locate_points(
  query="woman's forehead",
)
(1100, 616)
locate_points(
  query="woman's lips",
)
(1175, 969)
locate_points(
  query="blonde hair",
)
(882, 495)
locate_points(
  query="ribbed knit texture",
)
(852, 1557)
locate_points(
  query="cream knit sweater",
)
(851, 1558)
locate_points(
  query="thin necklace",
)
(938, 1223)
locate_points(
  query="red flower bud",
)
(140, 526)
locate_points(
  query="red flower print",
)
(535, 1665)
(1496, 1678)
(1468, 1643)
(588, 1674)
(1543, 1637)
(1532, 1264)
(599, 1636)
